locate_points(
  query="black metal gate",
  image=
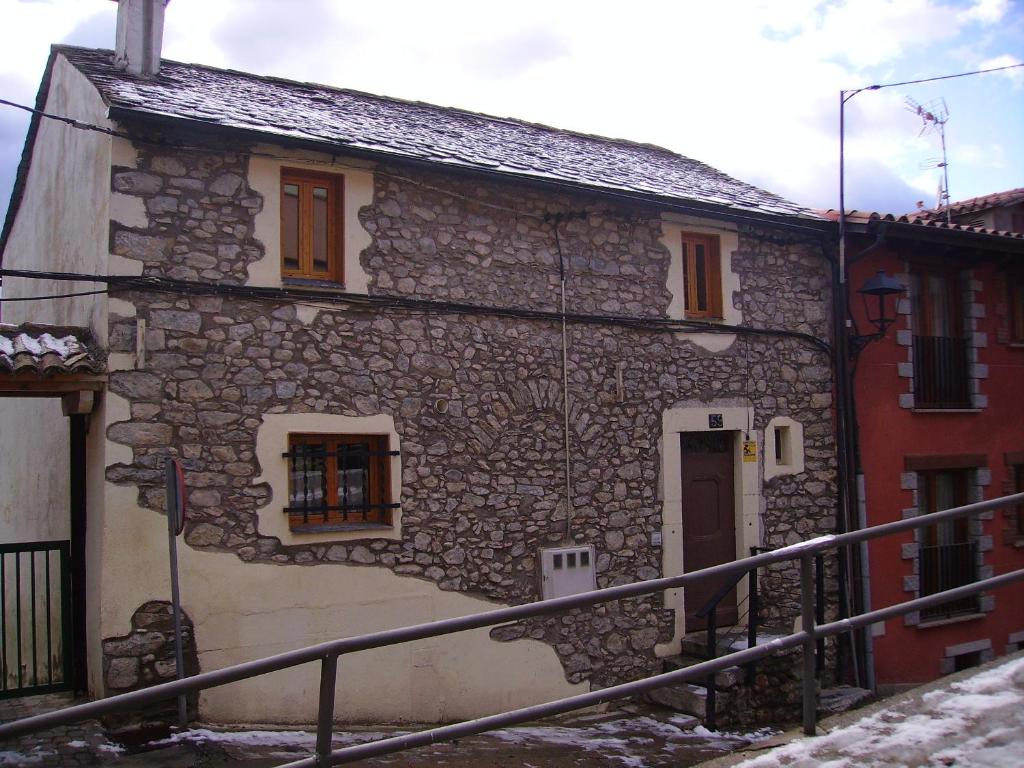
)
(35, 618)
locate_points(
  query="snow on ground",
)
(628, 740)
(975, 722)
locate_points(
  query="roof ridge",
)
(397, 100)
(420, 131)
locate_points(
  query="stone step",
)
(729, 640)
(832, 701)
(725, 679)
(687, 699)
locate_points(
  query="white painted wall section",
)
(243, 611)
(63, 221)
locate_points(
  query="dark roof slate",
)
(417, 131)
(48, 350)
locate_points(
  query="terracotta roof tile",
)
(48, 350)
(287, 109)
(971, 205)
(866, 217)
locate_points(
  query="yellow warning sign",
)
(749, 451)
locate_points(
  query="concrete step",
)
(687, 699)
(725, 679)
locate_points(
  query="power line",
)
(306, 295)
(616, 194)
(933, 79)
(70, 121)
(55, 296)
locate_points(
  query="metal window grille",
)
(947, 566)
(940, 372)
(339, 481)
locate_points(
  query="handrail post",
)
(810, 687)
(325, 718)
(752, 616)
(711, 651)
(819, 610)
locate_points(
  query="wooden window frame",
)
(377, 509)
(712, 294)
(1015, 305)
(306, 180)
(921, 301)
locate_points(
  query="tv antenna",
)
(934, 116)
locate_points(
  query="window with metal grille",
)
(948, 556)
(338, 481)
(940, 347)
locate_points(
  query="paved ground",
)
(973, 719)
(630, 736)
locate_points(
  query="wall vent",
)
(566, 571)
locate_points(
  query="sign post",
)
(174, 479)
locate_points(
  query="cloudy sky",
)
(748, 86)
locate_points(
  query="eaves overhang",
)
(808, 225)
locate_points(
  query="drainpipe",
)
(856, 500)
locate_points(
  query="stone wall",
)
(482, 483)
(144, 657)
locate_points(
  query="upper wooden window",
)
(339, 481)
(1015, 308)
(311, 225)
(702, 275)
(934, 295)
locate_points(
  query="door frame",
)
(747, 503)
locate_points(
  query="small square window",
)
(338, 481)
(702, 276)
(311, 224)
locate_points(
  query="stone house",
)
(417, 362)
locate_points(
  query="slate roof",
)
(290, 110)
(868, 217)
(48, 350)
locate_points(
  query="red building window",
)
(947, 557)
(940, 349)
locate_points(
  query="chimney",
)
(140, 31)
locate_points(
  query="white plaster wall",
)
(672, 227)
(62, 222)
(33, 470)
(243, 611)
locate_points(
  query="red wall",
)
(888, 433)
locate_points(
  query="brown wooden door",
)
(709, 523)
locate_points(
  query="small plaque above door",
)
(715, 421)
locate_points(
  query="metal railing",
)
(35, 618)
(940, 372)
(327, 653)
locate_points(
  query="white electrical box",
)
(566, 571)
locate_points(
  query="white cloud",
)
(985, 11)
(749, 87)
